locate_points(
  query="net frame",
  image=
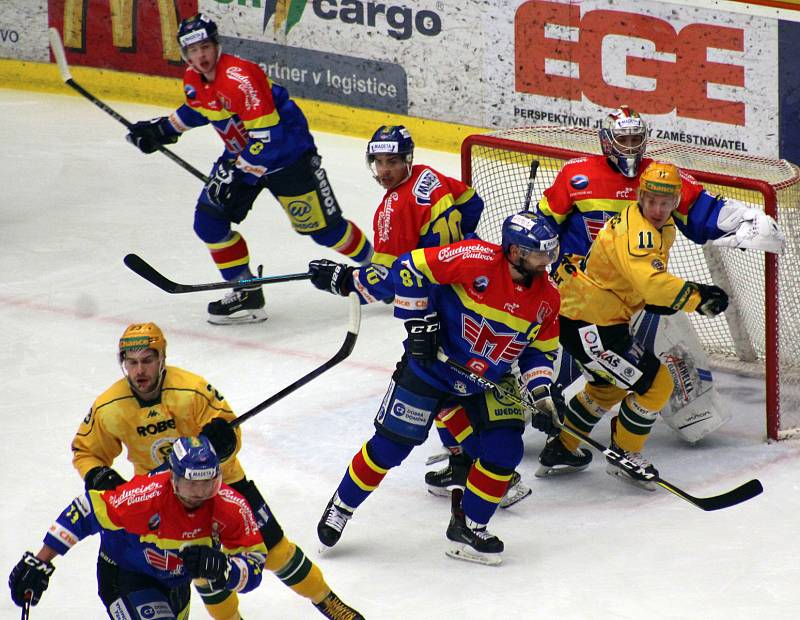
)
(774, 185)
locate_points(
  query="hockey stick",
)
(531, 179)
(26, 606)
(140, 266)
(61, 59)
(344, 351)
(740, 494)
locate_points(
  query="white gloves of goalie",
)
(748, 228)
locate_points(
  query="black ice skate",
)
(331, 524)
(633, 467)
(242, 305)
(441, 482)
(556, 459)
(473, 542)
(334, 608)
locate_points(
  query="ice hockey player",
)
(146, 411)
(625, 271)
(157, 533)
(267, 145)
(487, 306)
(590, 190)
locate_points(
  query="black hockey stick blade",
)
(61, 60)
(140, 266)
(740, 494)
(343, 353)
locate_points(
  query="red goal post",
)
(760, 332)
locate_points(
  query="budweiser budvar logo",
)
(481, 252)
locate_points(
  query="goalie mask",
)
(623, 138)
(196, 474)
(196, 29)
(390, 140)
(536, 241)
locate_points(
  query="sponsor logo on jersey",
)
(154, 610)
(484, 341)
(155, 428)
(325, 192)
(625, 193)
(409, 413)
(579, 181)
(135, 495)
(190, 92)
(251, 98)
(511, 307)
(153, 413)
(153, 522)
(161, 559)
(480, 284)
(425, 185)
(384, 225)
(481, 252)
(191, 534)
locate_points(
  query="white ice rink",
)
(76, 198)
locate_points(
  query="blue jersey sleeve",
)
(373, 283)
(76, 522)
(471, 210)
(411, 287)
(190, 117)
(700, 224)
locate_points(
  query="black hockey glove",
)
(333, 277)
(102, 479)
(548, 416)
(29, 575)
(423, 338)
(203, 562)
(713, 300)
(663, 310)
(147, 136)
(222, 437)
(229, 191)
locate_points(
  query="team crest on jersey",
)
(495, 346)
(594, 225)
(153, 522)
(425, 185)
(190, 92)
(658, 265)
(163, 560)
(480, 284)
(579, 181)
(544, 311)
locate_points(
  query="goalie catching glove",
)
(748, 228)
(29, 575)
(547, 416)
(147, 136)
(713, 300)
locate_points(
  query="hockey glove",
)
(147, 136)
(548, 416)
(423, 338)
(228, 190)
(713, 299)
(662, 310)
(29, 575)
(203, 562)
(333, 277)
(222, 437)
(102, 479)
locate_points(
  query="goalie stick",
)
(740, 494)
(344, 351)
(61, 60)
(140, 266)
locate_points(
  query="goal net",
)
(760, 331)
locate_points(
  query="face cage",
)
(627, 158)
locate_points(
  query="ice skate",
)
(442, 482)
(635, 469)
(331, 525)
(516, 492)
(241, 305)
(556, 459)
(473, 542)
(336, 609)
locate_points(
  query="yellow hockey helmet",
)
(662, 179)
(141, 336)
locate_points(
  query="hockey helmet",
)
(531, 233)
(390, 139)
(662, 179)
(196, 474)
(195, 29)
(142, 336)
(623, 138)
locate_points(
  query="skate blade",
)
(515, 494)
(620, 475)
(437, 458)
(439, 491)
(250, 316)
(546, 471)
(465, 553)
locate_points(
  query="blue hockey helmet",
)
(195, 29)
(531, 233)
(390, 139)
(196, 475)
(623, 138)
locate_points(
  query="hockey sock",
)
(486, 485)
(296, 571)
(220, 604)
(347, 239)
(456, 421)
(633, 425)
(230, 255)
(369, 467)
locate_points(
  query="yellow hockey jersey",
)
(147, 429)
(626, 268)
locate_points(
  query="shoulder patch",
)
(425, 185)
